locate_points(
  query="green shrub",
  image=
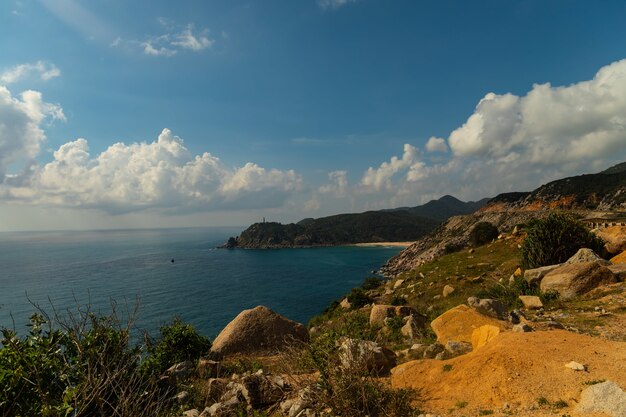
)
(398, 300)
(555, 239)
(482, 233)
(178, 342)
(357, 298)
(371, 283)
(81, 364)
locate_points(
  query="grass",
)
(461, 404)
(447, 367)
(485, 412)
(594, 382)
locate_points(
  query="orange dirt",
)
(513, 371)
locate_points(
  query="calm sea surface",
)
(204, 286)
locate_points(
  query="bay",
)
(172, 272)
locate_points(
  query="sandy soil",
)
(394, 244)
(512, 372)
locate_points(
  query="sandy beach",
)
(373, 244)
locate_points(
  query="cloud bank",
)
(175, 39)
(44, 70)
(516, 143)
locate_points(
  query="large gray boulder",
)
(258, 330)
(606, 397)
(488, 307)
(535, 275)
(571, 280)
(366, 354)
(585, 255)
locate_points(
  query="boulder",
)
(534, 276)
(179, 371)
(411, 328)
(482, 335)
(379, 313)
(433, 350)
(208, 368)
(619, 259)
(488, 307)
(260, 391)
(585, 255)
(458, 324)
(619, 271)
(614, 238)
(397, 284)
(574, 279)
(531, 302)
(345, 304)
(455, 349)
(606, 397)
(447, 290)
(365, 353)
(191, 413)
(522, 328)
(258, 330)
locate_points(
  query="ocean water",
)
(204, 286)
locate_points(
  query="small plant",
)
(559, 404)
(398, 300)
(178, 342)
(594, 382)
(447, 367)
(357, 298)
(371, 283)
(482, 233)
(461, 404)
(543, 402)
(555, 239)
(485, 412)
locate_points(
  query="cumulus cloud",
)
(43, 70)
(174, 40)
(435, 144)
(161, 174)
(21, 134)
(516, 143)
(338, 184)
(377, 179)
(334, 4)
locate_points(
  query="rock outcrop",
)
(458, 324)
(258, 330)
(574, 279)
(615, 238)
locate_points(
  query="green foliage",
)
(357, 298)
(447, 367)
(347, 386)
(178, 342)
(482, 233)
(371, 283)
(398, 300)
(509, 294)
(555, 239)
(83, 367)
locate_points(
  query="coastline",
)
(376, 244)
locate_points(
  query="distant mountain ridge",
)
(443, 208)
(602, 191)
(390, 225)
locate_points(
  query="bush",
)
(346, 386)
(398, 301)
(482, 233)
(81, 364)
(371, 283)
(178, 342)
(555, 239)
(357, 298)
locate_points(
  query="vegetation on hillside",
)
(371, 226)
(555, 239)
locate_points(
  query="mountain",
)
(371, 226)
(443, 208)
(602, 191)
(390, 225)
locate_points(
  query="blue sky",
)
(160, 113)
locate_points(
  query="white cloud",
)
(375, 180)
(156, 175)
(21, 134)
(435, 144)
(44, 70)
(170, 43)
(334, 4)
(516, 143)
(338, 184)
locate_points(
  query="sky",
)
(118, 114)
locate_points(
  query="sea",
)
(167, 273)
